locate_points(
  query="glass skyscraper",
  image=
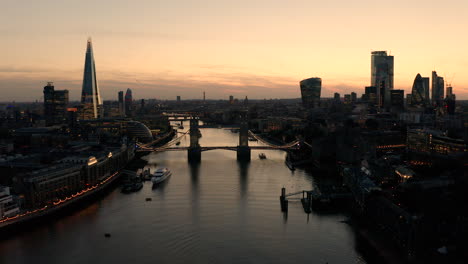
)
(420, 91)
(310, 92)
(90, 96)
(382, 77)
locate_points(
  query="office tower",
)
(178, 98)
(382, 76)
(353, 97)
(420, 91)
(204, 96)
(336, 97)
(55, 105)
(246, 100)
(91, 102)
(449, 92)
(371, 94)
(121, 104)
(128, 102)
(231, 99)
(397, 98)
(310, 92)
(437, 89)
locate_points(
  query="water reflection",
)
(243, 177)
(217, 211)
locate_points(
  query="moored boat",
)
(160, 175)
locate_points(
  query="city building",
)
(8, 205)
(336, 97)
(382, 76)
(370, 94)
(55, 105)
(409, 99)
(128, 103)
(178, 98)
(121, 104)
(434, 143)
(91, 103)
(448, 91)
(398, 99)
(231, 99)
(437, 89)
(310, 92)
(353, 97)
(420, 91)
(347, 98)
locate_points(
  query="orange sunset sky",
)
(261, 49)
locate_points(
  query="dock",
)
(319, 197)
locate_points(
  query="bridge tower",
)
(194, 151)
(243, 150)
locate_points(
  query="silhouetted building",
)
(128, 102)
(398, 99)
(347, 98)
(409, 99)
(178, 98)
(310, 92)
(55, 105)
(91, 103)
(121, 104)
(353, 97)
(449, 92)
(450, 105)
(371, 94)
(337, 97)
(420, 91)
(231, 99)
(437, 89)
(382, 76)
(72, 116)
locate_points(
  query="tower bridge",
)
(194, 150)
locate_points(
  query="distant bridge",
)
(194, 150)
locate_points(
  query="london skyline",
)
(161, 50)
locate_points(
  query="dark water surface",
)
(217, 212)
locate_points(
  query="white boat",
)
(160, 175)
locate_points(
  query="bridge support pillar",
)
(243, 153)
(194, 155)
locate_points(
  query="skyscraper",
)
(121, 104)
(382, 76)
(55, 105)
(437, 89)
(90, 96)
(128, 102)
(310, 92)
(420, 91)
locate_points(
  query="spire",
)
(90, 95)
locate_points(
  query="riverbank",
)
(9, 225)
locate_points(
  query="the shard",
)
(90, 95)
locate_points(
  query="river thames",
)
(219, 211)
